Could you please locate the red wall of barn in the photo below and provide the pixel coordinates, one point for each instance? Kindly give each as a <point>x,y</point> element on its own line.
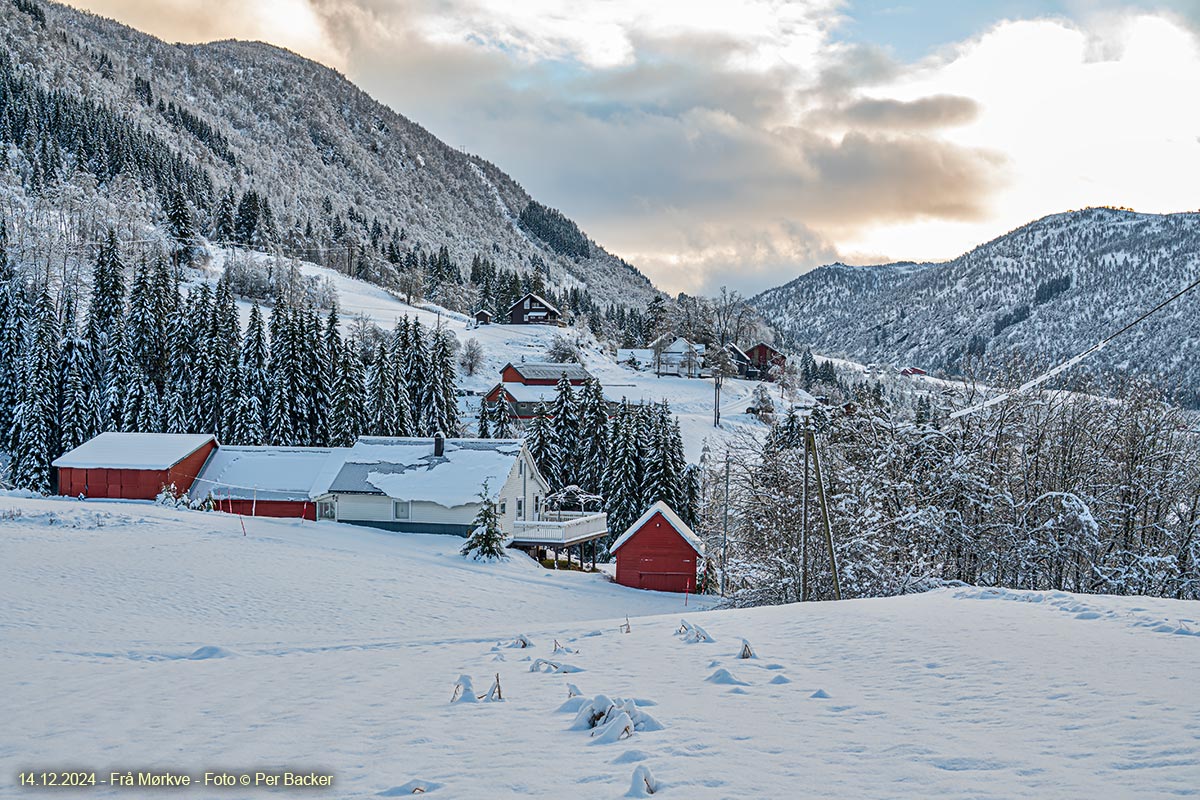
<point>132,484</point>
<point>657,557</point>
<point>183,474</point>
<point>290,509</point>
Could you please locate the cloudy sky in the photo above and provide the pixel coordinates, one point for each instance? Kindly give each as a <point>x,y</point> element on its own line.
<point>742,142</point>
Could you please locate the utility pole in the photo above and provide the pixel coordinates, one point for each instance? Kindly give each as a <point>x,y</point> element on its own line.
<point>804,523</point>
<point>810,438</point>
<point>725,531</point>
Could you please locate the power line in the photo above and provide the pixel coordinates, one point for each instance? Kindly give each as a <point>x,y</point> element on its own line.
<point>1065,365</point>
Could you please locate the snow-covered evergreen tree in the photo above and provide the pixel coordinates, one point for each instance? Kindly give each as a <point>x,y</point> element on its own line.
<point>543,446</point>
<point>622,483</point>
<point>35,425</point>
<point>567,429</point>
<point>349,401</point>
<point>106,310</point>
<point>382,418</point>
<point>487,540</point>
<point>592,453</point>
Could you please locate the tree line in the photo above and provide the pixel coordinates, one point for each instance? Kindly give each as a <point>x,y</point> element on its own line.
<point>628,457</point>
<point>152,359</point>
<point>1059,491</point>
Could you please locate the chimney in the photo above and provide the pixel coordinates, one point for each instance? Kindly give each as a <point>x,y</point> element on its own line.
<point>439,444</point>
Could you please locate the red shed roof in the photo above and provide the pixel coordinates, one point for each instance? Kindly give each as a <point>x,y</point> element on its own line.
<point>672,518</point>
<point>114,450</point>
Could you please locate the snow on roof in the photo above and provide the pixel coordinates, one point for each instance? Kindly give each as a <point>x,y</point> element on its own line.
<point>537,297</point>
<point>737,351</point>
<point>547,371</point>
<point>672,518</point>
<point>114,450</point>
<point>521,393</point>
<point>407,469</point>
<point>264,473</point>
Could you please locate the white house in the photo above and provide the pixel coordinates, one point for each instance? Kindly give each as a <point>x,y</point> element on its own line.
<point>433,485</point>
<point>665,356</point>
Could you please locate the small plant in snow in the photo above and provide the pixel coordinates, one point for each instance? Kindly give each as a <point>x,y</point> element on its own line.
<point>464,691</point>
<point>554,667</point>
<point>747,651</point>
<point>471,356</point>
<point>486,541</point>
<point>643,784</point>
<point>609,720</point>
<point>167,496</point>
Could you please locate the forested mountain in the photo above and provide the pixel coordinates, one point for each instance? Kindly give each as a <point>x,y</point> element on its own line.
<point>1044,291</point>
<point>243,142</point>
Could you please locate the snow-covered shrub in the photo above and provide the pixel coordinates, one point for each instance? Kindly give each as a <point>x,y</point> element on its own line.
<point>563,350</point>
<point>610,720</point>
<point>643,783</point>
<point>168,496</point>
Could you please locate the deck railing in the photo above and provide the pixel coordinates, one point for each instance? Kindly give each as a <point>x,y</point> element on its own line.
<point>566,531</point>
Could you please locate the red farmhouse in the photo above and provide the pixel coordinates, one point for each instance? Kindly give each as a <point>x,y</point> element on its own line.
<point>133,466</point>
<point>543,373</point>
<point>658,552</point>
<point>762,358</point>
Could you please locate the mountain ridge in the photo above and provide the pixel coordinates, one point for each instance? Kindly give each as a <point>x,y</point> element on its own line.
<point>1043,292</point>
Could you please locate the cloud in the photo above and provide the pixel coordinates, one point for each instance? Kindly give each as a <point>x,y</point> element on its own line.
<point>741,142</point>
<point>936,111</point>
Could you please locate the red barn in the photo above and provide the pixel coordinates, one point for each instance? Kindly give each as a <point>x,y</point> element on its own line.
<point>133,466</point>
<point>268,481</point>
<point>658,552</point>
<point>762,358</point>
<point>541,373</point>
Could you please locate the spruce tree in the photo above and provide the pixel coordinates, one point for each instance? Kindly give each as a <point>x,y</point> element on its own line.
<point>662,476</point>
<point>381,395</point>
<point>35,433</point>
<point>487,540</point>
<point>539,438</point>
<point>592,453</point>
<point>349,401</point>
<point>622,483</point>
<point>106,310</point>
<point>78,402</point>
<point>567,431</point>
<point>13,314</point>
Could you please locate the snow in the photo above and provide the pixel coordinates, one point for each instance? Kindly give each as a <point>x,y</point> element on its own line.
<point>408,469</point>
<point>133,450</point>
<point>691,399</point>
<point>678,524</point>
<point>265,473</point>
<point>340,649</point>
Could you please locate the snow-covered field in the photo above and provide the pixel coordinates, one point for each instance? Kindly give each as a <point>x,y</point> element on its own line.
<point>136,637</point>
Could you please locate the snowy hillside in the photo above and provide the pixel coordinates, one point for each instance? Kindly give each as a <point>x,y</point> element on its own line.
<point>136,637</point>
<point>690,398</point>
<point>345,176</point>
<point>1045,291</point>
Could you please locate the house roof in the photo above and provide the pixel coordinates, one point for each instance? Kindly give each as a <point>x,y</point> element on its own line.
<point>545,370</point>
<point>484,312</point>
<point>672,518</point>
<point>266,473</point>
<point>539,298</point>
<point>115,450</point>
<point>523,393</point>
<point>737,351</point>
<point>407,469</point>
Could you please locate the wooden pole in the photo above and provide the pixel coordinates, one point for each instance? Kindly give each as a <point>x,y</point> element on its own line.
<point>804,524</point>
<point>812,443</point>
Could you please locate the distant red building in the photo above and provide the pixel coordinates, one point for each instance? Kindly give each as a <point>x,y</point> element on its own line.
<point>133,466</point>
<point>763,358</point>
<point>659,552</point>
<point>523,386</point>
<point>268,481</point>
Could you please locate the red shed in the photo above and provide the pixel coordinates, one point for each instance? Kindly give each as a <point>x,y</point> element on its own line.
<point>133,466</point>
<point>269,481</point>
<point>658,552</point>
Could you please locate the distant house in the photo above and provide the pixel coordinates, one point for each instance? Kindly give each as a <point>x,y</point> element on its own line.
<point>268,481</point>
<point>432,485</point>
<point>739,359</point>
<point>658,552</point>
<point>668,356</point>
<point>523,399</point>
<point>483,317</point>
<point>763,359</point>
<point>133,466</point>
<point>533,309</point>
<point>544,373</point>
<point>908,371</point>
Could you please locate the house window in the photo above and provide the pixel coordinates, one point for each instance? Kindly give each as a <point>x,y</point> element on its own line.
<point>537,505</point>
<point>503,507</point>
<point>326,509</point>
<point>521,467</point>
<point>526,303</point>
<point>401,509</point>
<point>520,508</point>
